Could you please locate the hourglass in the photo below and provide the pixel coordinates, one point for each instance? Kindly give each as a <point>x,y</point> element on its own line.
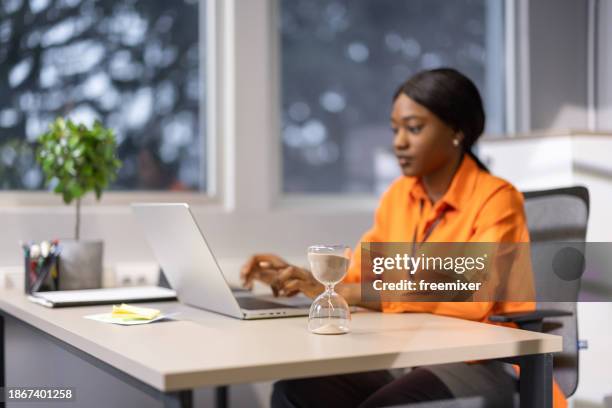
<point>329,313</point>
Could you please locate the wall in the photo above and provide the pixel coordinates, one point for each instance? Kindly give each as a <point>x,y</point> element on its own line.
<point>232,236</point>
<point>604,66</point>
<point>558,64</point>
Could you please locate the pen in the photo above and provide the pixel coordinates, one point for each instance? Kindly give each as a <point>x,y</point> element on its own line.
<point>43,273</point>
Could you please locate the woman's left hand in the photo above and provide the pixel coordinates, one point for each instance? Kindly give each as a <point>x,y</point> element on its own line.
<point>293,280</point>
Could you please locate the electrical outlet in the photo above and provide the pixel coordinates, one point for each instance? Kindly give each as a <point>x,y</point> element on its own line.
<point>136,274</point>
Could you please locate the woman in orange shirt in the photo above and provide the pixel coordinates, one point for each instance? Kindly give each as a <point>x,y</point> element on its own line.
<point>445,195</point>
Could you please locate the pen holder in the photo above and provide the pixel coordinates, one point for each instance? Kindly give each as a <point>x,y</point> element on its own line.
<point>41,273</point>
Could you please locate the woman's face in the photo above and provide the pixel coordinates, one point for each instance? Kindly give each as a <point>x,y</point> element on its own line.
<point>422,142</point>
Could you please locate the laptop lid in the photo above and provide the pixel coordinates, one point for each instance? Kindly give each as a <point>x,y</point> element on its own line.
<point>186,258</point>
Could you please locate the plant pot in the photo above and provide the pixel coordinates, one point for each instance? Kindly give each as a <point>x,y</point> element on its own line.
<point>80,265</point>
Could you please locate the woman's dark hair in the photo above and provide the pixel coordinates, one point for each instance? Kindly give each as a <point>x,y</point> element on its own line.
<point>453,98</point>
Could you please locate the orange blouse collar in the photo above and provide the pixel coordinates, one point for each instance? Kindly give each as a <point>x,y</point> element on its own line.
<point>460,189</point>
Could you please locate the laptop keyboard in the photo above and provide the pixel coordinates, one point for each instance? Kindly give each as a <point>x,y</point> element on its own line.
<point>251,303</point>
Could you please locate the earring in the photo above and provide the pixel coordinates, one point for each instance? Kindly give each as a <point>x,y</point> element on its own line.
<point>456,142</point>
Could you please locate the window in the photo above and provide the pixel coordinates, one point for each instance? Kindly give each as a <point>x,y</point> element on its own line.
<point>133,64</point>
<point>341,61</point>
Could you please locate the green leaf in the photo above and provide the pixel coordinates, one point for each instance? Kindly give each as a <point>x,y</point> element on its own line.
<point>73,140</point>
<point>60,124</point>
<point>82,159</point>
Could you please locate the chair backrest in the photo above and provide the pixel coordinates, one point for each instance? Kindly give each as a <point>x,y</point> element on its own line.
<point>558,215</point>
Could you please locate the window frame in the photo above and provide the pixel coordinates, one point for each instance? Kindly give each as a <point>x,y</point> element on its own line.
<point>208,40</point>
<point>504,104</point>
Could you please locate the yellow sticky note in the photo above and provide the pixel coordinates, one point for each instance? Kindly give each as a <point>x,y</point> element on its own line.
<point>133,312</point>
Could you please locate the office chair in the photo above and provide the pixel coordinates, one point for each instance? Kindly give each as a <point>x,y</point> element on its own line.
<point>557,215</point>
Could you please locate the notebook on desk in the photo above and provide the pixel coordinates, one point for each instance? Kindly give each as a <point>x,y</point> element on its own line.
<point>87,297</point>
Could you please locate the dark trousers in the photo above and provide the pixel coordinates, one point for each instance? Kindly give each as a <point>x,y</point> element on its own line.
<point>363,390</point>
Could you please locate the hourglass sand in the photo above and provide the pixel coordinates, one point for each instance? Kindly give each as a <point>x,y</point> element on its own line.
<point>329,313</point>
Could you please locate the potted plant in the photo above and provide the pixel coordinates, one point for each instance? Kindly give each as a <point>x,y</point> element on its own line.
<point>76,160</point>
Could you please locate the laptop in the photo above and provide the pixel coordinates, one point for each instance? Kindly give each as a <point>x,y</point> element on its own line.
<point>193,271</point>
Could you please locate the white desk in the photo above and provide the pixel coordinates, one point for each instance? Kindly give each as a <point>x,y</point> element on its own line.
<point>169,359</point>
